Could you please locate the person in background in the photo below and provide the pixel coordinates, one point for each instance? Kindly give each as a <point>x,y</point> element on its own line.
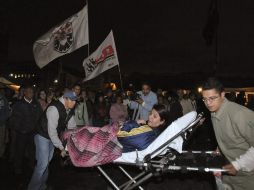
<point>184,101</point>
<point>193,99</point>
<point>163,101</point>
<point>18,95</point>
<point>50,97</point>
<point>234,130</point>
<point>109,98</point>
<point>25,115</point>
<point>118,112</point>
<point>4,115</point>
<point>240,98</point>
<point>231,96</point>
<point>175,108</point>
<point>90,104</point>
<point>66,89</point>
<point>91,95</point>
<point>100,117</point>
<point>159,92</point>
<point>55,120</point>
<point>76,89</point>
<point>42,99</point>
<point>80,111</point>
<point>144,103</point>
<point>250,103</point>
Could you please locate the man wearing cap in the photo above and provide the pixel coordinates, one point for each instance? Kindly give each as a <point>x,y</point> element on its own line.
<point>55,119</point>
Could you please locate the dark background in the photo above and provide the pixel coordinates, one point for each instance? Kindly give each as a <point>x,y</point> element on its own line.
<point>174,40</point>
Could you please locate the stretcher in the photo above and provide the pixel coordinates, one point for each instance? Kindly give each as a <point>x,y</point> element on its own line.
<point>165,155</point>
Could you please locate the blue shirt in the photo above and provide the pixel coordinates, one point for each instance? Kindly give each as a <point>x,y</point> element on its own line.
<point>149,101</point>
<point>135,137</point>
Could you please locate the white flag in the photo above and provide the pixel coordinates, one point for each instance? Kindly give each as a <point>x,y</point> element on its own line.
<point>62,39</point>
<point>104,58</point>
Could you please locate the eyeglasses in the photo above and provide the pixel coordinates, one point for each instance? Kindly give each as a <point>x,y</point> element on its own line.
<point>210,99</point>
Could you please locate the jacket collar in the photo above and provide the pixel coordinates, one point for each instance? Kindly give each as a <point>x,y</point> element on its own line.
<point>28,101</point>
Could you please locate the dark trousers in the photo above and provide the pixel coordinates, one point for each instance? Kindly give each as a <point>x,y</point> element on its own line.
<point>12,145</point>
<point>24,147</point>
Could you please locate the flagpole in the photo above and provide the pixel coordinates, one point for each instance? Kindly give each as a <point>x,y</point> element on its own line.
<point>121,82</point>
<point>119,70</point>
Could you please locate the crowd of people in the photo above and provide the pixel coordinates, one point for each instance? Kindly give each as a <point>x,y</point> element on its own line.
<point>31,122</point>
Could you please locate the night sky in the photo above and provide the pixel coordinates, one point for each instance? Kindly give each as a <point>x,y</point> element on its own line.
<point>166,37</point>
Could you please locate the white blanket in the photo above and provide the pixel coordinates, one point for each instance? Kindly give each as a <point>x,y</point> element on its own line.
<point>169,132</point>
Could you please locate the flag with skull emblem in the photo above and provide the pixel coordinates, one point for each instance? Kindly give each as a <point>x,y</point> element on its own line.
<point>62,39</point>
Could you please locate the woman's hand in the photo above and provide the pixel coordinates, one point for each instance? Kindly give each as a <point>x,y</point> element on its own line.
<point>120,123</point>
<point>63,153</point>
<point>141,121</point>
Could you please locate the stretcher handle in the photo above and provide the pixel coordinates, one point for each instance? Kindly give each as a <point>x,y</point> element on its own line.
<point>205,169</point>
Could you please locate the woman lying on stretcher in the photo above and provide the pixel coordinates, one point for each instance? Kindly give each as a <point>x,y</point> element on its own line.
<point>137,135</point>
<point>89,146</point>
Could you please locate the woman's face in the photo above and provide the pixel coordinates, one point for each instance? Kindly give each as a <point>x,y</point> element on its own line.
<point>42,95</point>
<point>119,100</point>
<point>154,119</point>
<point>49,98</point>
<point>83,93</point>
<point>160,100</point>
<point>101,99</point>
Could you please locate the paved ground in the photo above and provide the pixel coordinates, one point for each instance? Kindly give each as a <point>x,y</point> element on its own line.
<point>71,178</point>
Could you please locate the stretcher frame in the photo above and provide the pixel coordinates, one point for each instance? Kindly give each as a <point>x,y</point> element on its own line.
<point>162,164</point>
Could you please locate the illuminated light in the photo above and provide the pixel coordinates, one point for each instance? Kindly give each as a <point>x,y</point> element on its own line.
<point>33,75</point>
<point>22,76</point>
<point>15,76</point>
<point>14,87</point>
<point>11,75</point>
<point>55,81</point>
<point>164,93</point>
<point>34,85</point>
<point>18,76</point>
<point>200,89</point>
<point>113,86</point>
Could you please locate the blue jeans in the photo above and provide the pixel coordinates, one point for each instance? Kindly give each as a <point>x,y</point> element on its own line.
<point>44,154</point>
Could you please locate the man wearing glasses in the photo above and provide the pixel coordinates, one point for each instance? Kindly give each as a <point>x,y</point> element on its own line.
<point>234,129</point>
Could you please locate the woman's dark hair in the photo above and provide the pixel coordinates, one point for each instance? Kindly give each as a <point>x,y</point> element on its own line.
<point>97,97</point>
<point>173,95</point>
<point>39,93</point>
<point>164,115</point>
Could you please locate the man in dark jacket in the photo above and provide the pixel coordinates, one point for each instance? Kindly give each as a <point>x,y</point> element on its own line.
<point>25,115</point>
<point>4,114</point>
